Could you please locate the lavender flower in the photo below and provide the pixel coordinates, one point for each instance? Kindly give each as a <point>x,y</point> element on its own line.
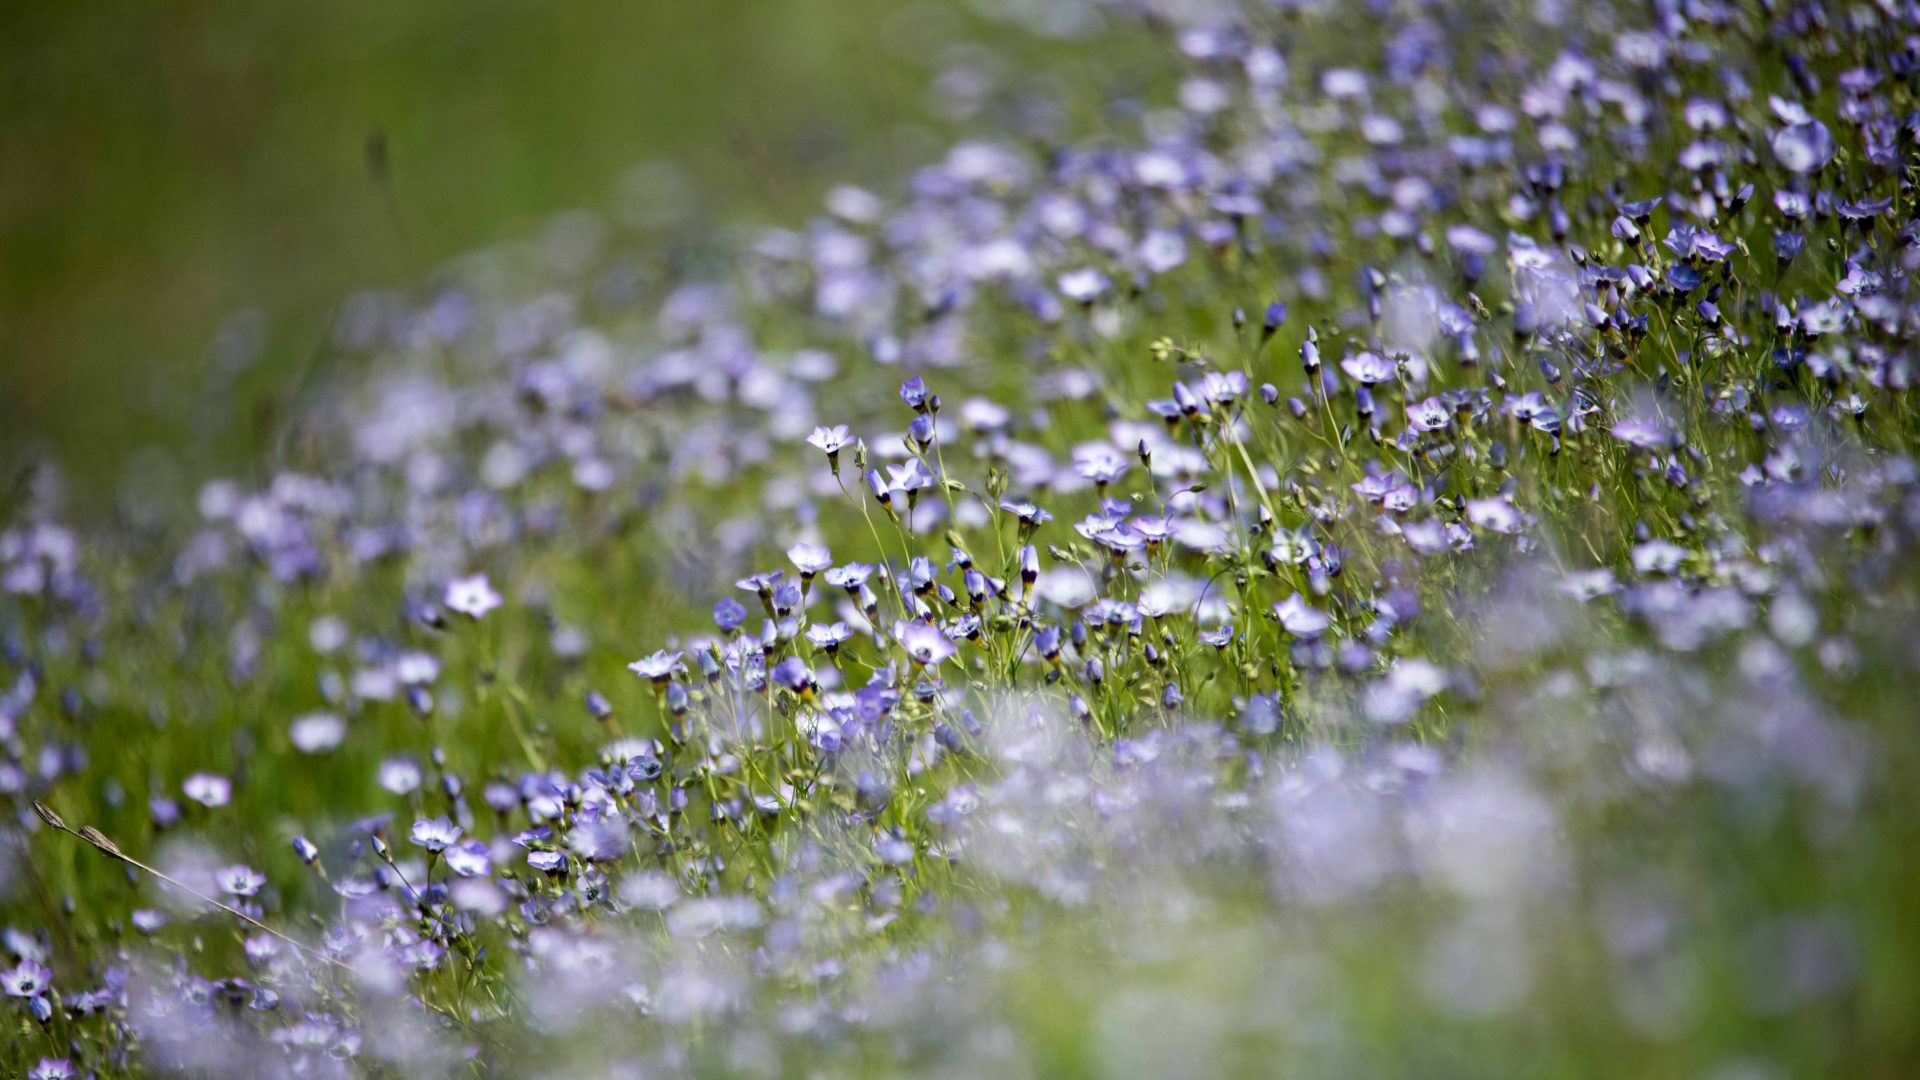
<point>1084,285</point>
<point>793,674</point>
<point>849,577</point>
<point>1494,515</point>
<point>27,979</point>
<point>240,880</point>
<point>468,858</point>
<point>1368,368</point>
<point>1803,147</point>
<point>925,644</point>
<point>728,614</point>
<point>435,834</point>
<point>1429,415</point>
<point>1299,619</point>
<point>317,733</point>
<point>830,441</point>
<point>208,789</point>
<point>659,666</point>
<point>471,596</point>
<point>829,636</point>
<point>809,559</point>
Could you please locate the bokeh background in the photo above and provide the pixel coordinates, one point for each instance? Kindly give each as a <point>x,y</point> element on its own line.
<point>189,188</point>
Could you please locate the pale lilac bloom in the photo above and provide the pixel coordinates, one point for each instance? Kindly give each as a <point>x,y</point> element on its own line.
<point>1641,432</point>
<point>1084,285</point>
<point>829,636</point>
<point>1368,368</point>
<point>1300,619</point>
<point>1494,515</point>
<point>850,577</point>
<point>1429,415</point>
<point>317,733</point>
<point>810,559</point>
<point>909,478</point>
<point>471,596</point>
<point>469,858</point>
<point>1804,147</point>
<point>831,440</point>
<point>28,979</point>
<point>1658,557</point>
<point>658,666</point>
<point>238,880</point>
<point>926,644</point>
<point>1584,585</point>
<point>208,789</point>
<point>400,775</point>
<point>435,834</point>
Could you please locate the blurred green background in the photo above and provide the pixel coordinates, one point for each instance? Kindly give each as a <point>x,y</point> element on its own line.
<point>166,165</point>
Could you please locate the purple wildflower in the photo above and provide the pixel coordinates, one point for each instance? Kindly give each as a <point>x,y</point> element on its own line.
<point>659,666</point>
<point>208,789</point>
<point>1300,619</point>
<point>924,643</point>
<point>471,596</point>
<point>28,979</point>
<point>238,880</point>
<point>435,834</point>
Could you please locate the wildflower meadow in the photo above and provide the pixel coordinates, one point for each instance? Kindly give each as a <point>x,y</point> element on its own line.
<point>1368,539</point>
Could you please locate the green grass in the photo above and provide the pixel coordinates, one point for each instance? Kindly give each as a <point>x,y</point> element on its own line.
<point>167,167</point>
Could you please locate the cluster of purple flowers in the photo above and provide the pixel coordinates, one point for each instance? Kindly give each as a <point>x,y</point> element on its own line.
<point>1538,552</point>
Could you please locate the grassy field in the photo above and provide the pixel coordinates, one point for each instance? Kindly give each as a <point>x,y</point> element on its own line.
<point>1255,539</point>
<point>184,174</point>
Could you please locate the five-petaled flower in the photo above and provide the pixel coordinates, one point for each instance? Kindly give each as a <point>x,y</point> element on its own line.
<point>471,596</point>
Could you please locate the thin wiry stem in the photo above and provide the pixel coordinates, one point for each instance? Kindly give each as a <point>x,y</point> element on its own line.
<point>101,842</point>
